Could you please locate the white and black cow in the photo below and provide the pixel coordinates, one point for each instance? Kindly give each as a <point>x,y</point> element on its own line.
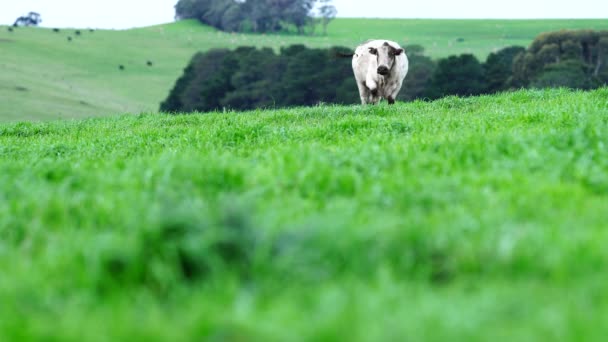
<point>380,67</point>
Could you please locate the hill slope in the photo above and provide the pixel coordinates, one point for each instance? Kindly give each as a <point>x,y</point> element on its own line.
<point>460,219</point>
<point>44,76</point>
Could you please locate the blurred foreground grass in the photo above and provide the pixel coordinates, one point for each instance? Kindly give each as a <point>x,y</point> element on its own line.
<point>465,218</point>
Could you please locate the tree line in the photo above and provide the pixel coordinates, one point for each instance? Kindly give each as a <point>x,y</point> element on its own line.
<point>258,15</point>
<point>249,77</point>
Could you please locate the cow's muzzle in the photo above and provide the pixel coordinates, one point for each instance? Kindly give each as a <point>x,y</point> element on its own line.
<point>382,70</point>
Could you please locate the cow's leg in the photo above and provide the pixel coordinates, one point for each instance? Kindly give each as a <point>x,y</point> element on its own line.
<point>393,95</point>
<point>373,88</point>
<point>374,96</point>
<point>374,93</point>
<point>364,93</point>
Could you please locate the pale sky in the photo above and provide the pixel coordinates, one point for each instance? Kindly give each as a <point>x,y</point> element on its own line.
<point>120,14</point>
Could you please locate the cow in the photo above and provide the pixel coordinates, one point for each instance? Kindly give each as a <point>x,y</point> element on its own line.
<point>379,67</point>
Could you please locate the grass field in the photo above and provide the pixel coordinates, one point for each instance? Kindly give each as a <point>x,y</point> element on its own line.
<point>43,76</point>
<point>460,219</point>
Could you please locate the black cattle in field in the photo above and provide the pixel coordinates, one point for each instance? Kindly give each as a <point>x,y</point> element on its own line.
<point>31,19</point>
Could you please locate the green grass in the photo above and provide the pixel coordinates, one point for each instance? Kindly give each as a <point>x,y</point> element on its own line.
<point>43,76</point>
<point>461,219</point>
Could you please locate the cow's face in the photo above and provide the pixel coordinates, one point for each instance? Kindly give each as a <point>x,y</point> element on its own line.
<point>385,55</point>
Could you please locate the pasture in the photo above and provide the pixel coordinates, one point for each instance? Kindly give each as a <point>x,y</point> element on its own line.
<point>47,75</point>
<point>460,219</point>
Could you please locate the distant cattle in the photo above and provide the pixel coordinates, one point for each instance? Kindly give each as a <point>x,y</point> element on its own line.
<point>31,19</point>
<point>379,67</point>
<point>149,63</point>
<point>69,39</point>
<point>121,67</point>
<point>77,32</point>
<point>55,30</point>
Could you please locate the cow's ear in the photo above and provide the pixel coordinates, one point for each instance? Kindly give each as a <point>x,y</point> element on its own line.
<point>373,51</point>
<point>398,52</point>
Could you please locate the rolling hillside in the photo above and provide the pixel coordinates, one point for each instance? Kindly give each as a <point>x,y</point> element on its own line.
<point>474,219</point>
<point>43,76</point>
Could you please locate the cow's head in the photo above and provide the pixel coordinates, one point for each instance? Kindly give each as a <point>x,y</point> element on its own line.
<point>386,57</point>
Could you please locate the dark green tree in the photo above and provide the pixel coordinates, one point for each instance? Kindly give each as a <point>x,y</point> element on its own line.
<point>569,73</point>
<point>225,15</point>
<point>250,15</point>
<point>418,79</point>
<point>296,12</point>
<point>251,78</point>
<point>205,80</point>
<point>302,79</point>
<point>256,82</point>
<point>192,9</point>
<point>457,75</point>
<point>260,18</point>
<point>498,68</point>
<point>340,83</point>
<point>576,59</point>
<point>174,102</point>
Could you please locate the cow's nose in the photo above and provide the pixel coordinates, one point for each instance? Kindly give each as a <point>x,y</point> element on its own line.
<point>382,70</point>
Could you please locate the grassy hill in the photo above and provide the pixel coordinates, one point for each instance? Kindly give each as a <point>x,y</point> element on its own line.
<point>44,76</point>
<point>461,219</point>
